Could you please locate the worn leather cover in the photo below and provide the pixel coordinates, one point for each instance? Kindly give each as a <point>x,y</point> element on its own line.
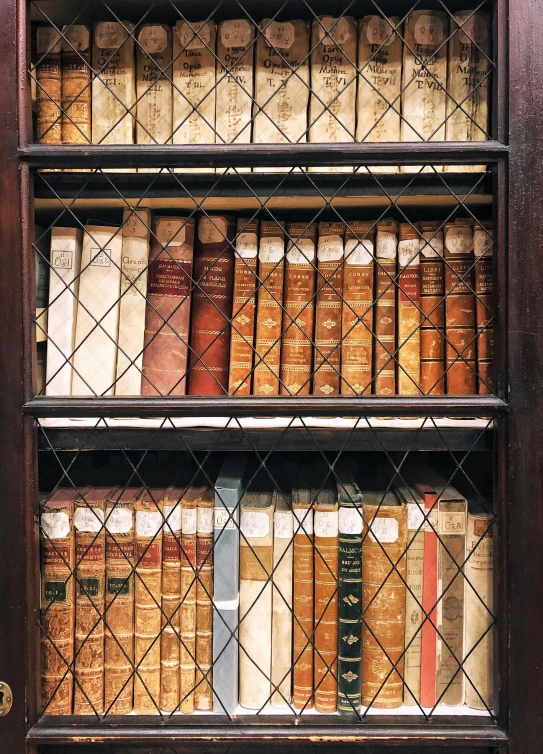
<point>167,315</point>
<point>385,307</point>
<point>154,74</point>
<point>283,560</point>
<point>204,601</point>
<point>409,314</point>
<point>432,304</point>
<point>484,305</point>
<point>171,600</point>
<point>49,86</point>
<point>76,85</point>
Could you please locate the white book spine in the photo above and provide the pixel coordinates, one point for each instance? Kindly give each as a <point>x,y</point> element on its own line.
<point>154,86</point>
<point>235,52</point>
<point>283,553</point>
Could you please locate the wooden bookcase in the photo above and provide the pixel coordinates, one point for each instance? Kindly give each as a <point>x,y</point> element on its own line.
<point>516,191</point>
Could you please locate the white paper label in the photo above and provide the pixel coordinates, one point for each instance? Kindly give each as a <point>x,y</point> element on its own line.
<point>304,518</point>
<point>153,39</point>
<point>452,523</point>
<point>189,520</point>
<point>459,239</point>
<point>283,524</point>
<point>272,249</point>
<point>171,232</point>
<point>148,523</point>
<point>428,30</point>
<point>88,519</point>
<point>482,242</point>
<point>100,257</point>
<point>408,252</point>
<point>431,244</point>
<point>415,516</point>
<point>237,33</point>
<point>223,519</point>
<point>205,520</point>
<point>135,225</point>
<point>109,35</point>
<point>301,251</point>
<point>338,29</point>
<point>55,525</point>
<point>255,524</point>
<point>48,40</point>
<point>384,530</point>
<point>212,229</point>
<point>119,520</point>
<point>474,30</point>
<point>379,31</point>
<point>62,260</point>
<point>280,35</point>
<point>350,520</point>
<point>430,525</point>
<point>326,523</point>
<point>330,248</point>
<point>247,246</point>
<point>193,36</point>
<point>386,244</point>
<point>77,38</point>
<point>358,252</point>
<point>172,515</point>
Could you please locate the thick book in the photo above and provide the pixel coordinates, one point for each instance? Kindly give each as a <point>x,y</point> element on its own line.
<point>119,617</point>
<point>65,261</point>
<point>234,92</point>
<point>76,84</point>
<point>240,377</point>
<point>212,305</point>
<point>298,309</point>
<point>357,310</point>
<point>384,565</point>
<point>460,308</point>
<point>203,695</point>
<point>154,74</point>
<point>409,313</point>
<point>483,249</point>
<point>255,594</point>
<point>48,73</point>
<point>167,316</point>
<point>432,304</point>
<point>170,640</point>
<point>134,271</point>
<point>95,348</point>
<point>386,246</point>
<point>57,602</point>
<point>282,606</point>
<point>269,308</point>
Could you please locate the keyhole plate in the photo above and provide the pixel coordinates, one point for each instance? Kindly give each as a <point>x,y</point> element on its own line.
<point>6,699</point>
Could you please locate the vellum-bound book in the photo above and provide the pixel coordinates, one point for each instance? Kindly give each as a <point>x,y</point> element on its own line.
<point>409,314</point>
<point>49,86</point>
<point>154,74</point>
<point>283,555</point>
<point>76,85</point>
<point>98,311</point>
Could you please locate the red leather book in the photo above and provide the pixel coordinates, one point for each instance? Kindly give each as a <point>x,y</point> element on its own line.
<point>385,307</point>
<point>432,304</point>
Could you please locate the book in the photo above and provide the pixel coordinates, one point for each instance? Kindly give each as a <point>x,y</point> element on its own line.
<point>240,375</point>
<point>234,92</point>
<point>119,613</point>
<point>255,594</point>
<point>48,75</point>
<point>167,316</point>
<point>357,310</point>
<point>329,302</point>
<point>90,540</point>
<point>460,308</point>
<point>483,249</point>
<point>57,541</point>
<point>409,312</point>
<point>298,309</point>
<point>432,305</point>
<point>95,348</point>
<point>154,75</point>
<point>203,695</point>
<point>212,305</point>
<point>383,599</point>
<point>147,614</point>
<point>76,84</point>
<point>134,269</point>
<point>42,250</point>
<point>65,265</point>
<point>282,606</point>
<point>386,243</point>
<point>113,83</point>
<point>269,308</point>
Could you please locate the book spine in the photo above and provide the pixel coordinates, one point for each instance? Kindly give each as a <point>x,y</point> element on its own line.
<point>432,304</point>
<point>283,554</point>
<point>41,267</point>
<point>326,609</point>
<point>302,675</point>
<point>234,91</point>
<point>76,85</point>
<point>428,662</point>
<point>154,124</point>
<point>171,611</point>
<point>413,613</point>
<point>188,605</point>
<point>385,309</point>
<point>204,605</point>
<point>409,315</point>
<point>49,86</point>
<point>484,307</point>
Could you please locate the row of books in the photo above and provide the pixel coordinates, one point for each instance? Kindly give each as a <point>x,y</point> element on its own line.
<point>332,80</point>
<point>268,308</point>
<point>306,594</point>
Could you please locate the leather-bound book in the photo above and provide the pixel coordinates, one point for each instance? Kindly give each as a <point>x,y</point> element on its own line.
<point>169,293</point>
<point>386,244</point>
<point>409,314</point>
<point>269,311</point>
<point>303,619</point>
<point>357,311</point>
<point>255,594</point>
<point>203,695</point>
<point>76,84</point>
<point>432,304</point>
<point>171,599</point>
<point>298,309</point>
<point>90,541</point>
<point>283,561</point>
<point>240,377</point>
<point>212,305</point>
<point>460,308</point>
<point>235,52</point>
<point>330,249</point>
<point>119,633</point>
<point>383,603</point>
<point>154,74</point>
<point>148,616</point>
<point>57,602</point>
<point>49,85</point>
<point>483,247</point>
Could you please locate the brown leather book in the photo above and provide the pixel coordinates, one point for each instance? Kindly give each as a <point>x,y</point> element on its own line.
<point>171,598</point>
<point>119,633</point>
<point>385,307</point>
<point>483,247</point>
<point>212,305</point>
<point>432,304</point>
<point>409,315</point>
<point>49,86</point>
<point>326,377</point>
<point>243,311</point>
<point>298,309</point>
<point>357,310</point>
<point>269,311</point>
<point>76,85</point>
<point>326,597</point>
<point>57,602</point>
<point>383,599</point>
<point>460,308</point>
<point>90,541</point>
<point>203,695</point>
<point>169,291</point>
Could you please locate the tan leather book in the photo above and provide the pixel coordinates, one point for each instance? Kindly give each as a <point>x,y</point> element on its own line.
<point>357,310</point>
<point>483,248</point>
<point>409,314</point>
<point>235,53</point>
<point>57,602</point>
<point>170,640</point>
<point>326,522</point>
<point>49,85</point>
<point>298,309</point>
<point>386,245</point>
<point>282,606</point>
<point>76,84</point>
<point>154,74</point>
<point>240,376</point>
<point>189,521</point>
<point>460,308</point>
<point>269,311</point>
<point>90,541</point>
<point>383,599</point>
<point>119,632</point>
<point>432,304</point>
<point>148,617</point>
<point>203,695</point>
